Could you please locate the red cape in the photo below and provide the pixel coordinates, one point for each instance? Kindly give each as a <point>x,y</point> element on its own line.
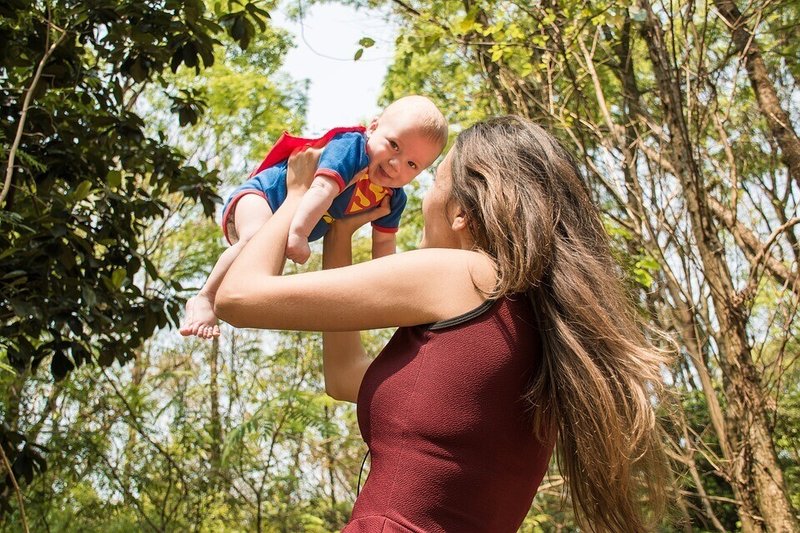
<point>287,144</point>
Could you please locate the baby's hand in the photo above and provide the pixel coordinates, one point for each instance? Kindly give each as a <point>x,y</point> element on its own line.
<point>297,248</point>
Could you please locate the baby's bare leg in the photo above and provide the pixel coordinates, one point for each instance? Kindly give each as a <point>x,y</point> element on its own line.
<point>251,212</point>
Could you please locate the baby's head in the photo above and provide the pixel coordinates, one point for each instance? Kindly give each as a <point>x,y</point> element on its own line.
<point>404,140</point>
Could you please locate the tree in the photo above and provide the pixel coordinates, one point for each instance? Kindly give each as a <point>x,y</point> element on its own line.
<point>83,180</point>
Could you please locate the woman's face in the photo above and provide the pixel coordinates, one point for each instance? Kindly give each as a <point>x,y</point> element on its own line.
<point>438,212</point>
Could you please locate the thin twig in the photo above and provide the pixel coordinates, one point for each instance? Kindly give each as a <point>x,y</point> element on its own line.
<point>765,248</point>
<point>16,488</point>
<point>24,114</point>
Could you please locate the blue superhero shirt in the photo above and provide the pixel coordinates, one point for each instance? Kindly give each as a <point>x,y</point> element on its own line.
<point>343,159</point>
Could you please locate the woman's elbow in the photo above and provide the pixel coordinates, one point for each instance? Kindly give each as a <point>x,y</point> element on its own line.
<point>331,391</point>
<point>338,394</point>
<point>227,307</point>
<point>337,390</point>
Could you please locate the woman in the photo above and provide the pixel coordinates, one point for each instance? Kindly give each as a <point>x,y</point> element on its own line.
<point>515,334</point>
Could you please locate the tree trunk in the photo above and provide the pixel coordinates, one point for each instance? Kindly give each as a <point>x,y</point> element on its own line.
<point>684,320</point>
<point>685,324</point>
<point>258,513</point>
<point>331,462</point>
<point>216,426</point>
<point>688,459</point>
<point>756,477</point>
<point>778,120</point>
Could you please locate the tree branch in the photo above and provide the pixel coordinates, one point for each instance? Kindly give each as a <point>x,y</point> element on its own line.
<point>16,489</point>
<point>24,114</point>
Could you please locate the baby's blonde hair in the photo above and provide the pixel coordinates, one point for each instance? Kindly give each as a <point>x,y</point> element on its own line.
<point>429,120</point>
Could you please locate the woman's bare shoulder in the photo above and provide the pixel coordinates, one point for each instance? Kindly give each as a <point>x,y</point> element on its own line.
<point>459,274</point>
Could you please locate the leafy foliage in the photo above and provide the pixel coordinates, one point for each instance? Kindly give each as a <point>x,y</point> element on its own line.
<point>144,109</point>
<point>87,179</point>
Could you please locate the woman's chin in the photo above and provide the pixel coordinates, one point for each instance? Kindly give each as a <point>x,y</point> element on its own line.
<point>422,242</point>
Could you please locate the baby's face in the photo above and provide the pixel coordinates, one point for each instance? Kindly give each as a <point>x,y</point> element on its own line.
<point>397,151</point>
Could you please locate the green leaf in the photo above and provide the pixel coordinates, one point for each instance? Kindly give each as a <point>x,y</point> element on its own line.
<point>117,277</point>
<point>13,274</point>
<point>88,296</point>
<point>114,178</point>
<point>497,53</point>
<point>467,24</point>
<point>82,190</point>
<point>60,365</point>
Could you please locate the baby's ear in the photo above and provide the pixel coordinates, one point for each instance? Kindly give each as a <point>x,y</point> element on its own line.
<point>372,125</point>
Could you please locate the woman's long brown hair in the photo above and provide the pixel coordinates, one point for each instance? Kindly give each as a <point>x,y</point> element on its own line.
<point>595,382</point>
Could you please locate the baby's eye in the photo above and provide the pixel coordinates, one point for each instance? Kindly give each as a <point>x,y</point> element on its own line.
<point>412,165</point>
<point>393,145</point>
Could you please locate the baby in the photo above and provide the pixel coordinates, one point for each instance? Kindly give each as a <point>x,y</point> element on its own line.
<point>358,168</point>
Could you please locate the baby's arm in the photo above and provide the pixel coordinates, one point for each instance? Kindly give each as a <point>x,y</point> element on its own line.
<point>383,243</point>
<point>315,203</point>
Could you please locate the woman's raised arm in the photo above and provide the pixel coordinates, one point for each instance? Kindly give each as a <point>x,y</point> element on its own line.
<point>344,359</point>
<point>404,289</point>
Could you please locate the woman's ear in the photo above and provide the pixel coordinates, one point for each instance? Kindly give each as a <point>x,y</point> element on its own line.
<point>459,222</point>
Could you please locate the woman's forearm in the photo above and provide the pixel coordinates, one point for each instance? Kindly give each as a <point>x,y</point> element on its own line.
<point>337,248</point>
<point>263,257</point>
<point>383,244</point>
<point>344,360</point>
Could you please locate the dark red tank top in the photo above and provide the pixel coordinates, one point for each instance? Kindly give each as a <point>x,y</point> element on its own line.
<point>451,443</point>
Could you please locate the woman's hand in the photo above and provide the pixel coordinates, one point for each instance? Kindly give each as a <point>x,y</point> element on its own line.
<point>337,248</point>
<point>345,227</point>
<point>301,169</point>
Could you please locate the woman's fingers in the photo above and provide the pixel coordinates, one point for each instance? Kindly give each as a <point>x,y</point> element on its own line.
<point>353,222</point>
<point>302,166</point>
<point>381,211</point>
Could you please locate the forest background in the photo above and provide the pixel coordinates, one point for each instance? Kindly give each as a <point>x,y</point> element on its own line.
<point>122,122</point>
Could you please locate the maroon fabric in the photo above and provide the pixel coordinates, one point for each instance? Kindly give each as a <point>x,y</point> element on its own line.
<point>441,410</point>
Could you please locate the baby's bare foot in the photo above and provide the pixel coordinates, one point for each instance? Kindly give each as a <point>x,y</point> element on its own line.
<point>200,319</point>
